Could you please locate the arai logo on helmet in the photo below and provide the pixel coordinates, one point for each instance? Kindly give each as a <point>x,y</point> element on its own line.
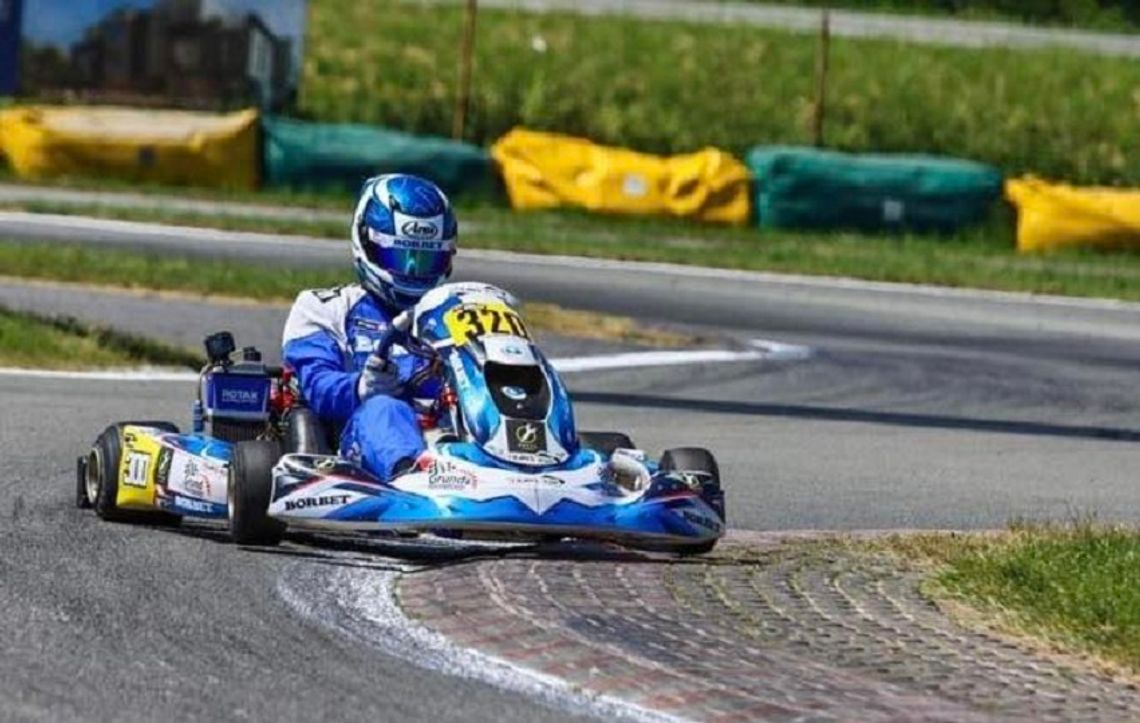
<point>419,229</point>
<point>515,393</point>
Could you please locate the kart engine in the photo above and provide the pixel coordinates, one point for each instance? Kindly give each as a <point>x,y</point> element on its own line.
<point>234,397</point>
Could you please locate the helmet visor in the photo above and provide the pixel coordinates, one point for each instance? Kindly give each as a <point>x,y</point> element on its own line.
<point>409,261</point>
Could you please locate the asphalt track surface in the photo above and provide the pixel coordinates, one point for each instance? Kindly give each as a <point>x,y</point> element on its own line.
<point>920,408</point>
<point>844,23</point>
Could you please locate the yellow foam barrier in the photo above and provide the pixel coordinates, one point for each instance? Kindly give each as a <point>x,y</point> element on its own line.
<point>130,144</point>
<point>1055,216</point>
<point>546,170</point>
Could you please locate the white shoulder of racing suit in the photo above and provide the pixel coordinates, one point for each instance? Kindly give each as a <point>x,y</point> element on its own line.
<point>323,310</point>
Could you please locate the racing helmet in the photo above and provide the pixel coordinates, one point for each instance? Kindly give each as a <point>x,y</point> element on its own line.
<point>403,238</point>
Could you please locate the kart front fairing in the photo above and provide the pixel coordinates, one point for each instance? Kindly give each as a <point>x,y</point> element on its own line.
<point>517,468</point>
<point>457,489</point>
<point>511,402</point>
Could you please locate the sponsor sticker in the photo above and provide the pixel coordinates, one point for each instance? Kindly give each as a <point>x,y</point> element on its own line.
<point>310,502</point>
<point>192,505</point>
<point>543,480</point>
<point>194,479</point>
<point>419,229</point>
<point>537,459</point>
<point>370,325</point>
<point>240,396</point>
<point>699,520</point>
<point>526,437</point>
<point>162,469</point>
<point>447,476</point>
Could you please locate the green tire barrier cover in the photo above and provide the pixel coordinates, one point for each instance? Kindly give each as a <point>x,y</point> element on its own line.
<point>305,155</point>
<point>815,189</point>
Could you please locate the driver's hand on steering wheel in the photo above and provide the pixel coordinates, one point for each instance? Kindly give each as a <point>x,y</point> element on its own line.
<point>380,374</point>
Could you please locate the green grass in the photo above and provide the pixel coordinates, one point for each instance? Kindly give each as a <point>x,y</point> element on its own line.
<point>1071,587</point>
<point>38,343</point>
<point>982,258</point>
<point>124,269</point>
<point>650,85</point>
<point>1077,586</point>
<point>76,264</point>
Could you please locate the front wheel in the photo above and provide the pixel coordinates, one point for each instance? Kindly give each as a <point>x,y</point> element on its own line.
<point>99,485</point>
<point>605,442</point>
<point>701,464</point>
<point>248,493</point>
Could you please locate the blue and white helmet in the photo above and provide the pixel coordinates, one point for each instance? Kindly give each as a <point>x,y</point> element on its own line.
<point>403,238</point>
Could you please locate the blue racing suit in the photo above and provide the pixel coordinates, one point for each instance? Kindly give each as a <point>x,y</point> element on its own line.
<point>328,338</point>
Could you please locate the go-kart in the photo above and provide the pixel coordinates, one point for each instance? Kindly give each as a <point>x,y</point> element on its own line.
<point>503,460</point>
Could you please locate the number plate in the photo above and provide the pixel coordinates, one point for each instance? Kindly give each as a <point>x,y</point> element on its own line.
<point>470,322</point>
<point>138,470</point>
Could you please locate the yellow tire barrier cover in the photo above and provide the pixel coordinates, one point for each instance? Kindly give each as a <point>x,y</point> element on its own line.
<point>131,144</point>
<point>546,170</point>
<point>1055,216</point>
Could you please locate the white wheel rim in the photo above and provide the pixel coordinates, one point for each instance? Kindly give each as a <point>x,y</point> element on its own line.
<point>230,496</point>
<point>93,476</point>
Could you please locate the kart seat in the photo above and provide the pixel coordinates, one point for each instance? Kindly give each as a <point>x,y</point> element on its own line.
<point>305,433</point>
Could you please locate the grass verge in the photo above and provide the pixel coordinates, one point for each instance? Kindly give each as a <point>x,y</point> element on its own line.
<point>35,342</point>
<point>980,258</point>
<point>1075,588</point>
<point>646,85</point>
<point>123,269</point>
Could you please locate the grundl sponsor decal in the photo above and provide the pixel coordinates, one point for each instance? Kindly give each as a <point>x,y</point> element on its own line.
<point>446,476</point>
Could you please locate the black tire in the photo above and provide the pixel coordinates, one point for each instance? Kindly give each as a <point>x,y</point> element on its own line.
<point>702,461</point>
<point>605,442</point>
<point>101,483</point>
<point>81,500</point>
<point>691,459</point>
<point>248,494</point>
<point>304,433</point>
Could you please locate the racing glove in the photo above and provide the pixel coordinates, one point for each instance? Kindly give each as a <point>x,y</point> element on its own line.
<point>380,374</point>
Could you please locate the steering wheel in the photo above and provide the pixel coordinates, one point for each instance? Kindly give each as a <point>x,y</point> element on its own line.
<point>418,348</point>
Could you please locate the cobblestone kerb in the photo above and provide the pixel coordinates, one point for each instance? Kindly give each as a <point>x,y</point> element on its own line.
<point>763,630</point>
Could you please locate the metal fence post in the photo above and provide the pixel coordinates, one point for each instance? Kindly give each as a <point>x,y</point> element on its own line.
<point>466,60</point>
<point>822,66</point>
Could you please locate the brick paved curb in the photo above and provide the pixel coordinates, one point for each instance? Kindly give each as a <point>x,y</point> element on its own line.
<point>763,630</point>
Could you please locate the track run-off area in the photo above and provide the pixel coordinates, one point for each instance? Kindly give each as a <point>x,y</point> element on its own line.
<point>916,408</point>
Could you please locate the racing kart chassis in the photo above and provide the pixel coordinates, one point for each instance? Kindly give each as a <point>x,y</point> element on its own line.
<point>258,459</point>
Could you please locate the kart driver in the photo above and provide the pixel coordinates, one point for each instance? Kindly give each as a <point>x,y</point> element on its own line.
<point>340,342</point>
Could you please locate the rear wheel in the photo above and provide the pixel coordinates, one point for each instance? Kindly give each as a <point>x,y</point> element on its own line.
<point>304,433</point>
<point>100,481</point>
<point>605,442</point>
<point>702,464</point>
<point>248,493</point>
